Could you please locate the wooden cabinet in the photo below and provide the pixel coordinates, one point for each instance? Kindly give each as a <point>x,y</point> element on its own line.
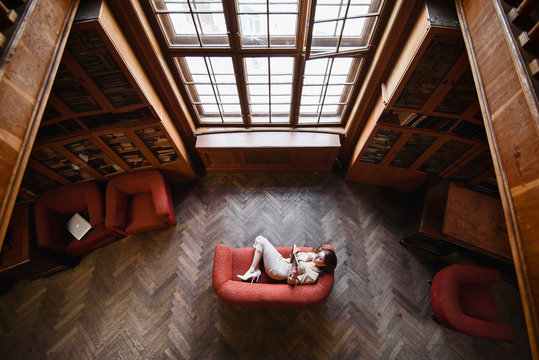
<point>427,120</point>
<point>444,214</point>
<point>268,151</point>
<point>103,116</point>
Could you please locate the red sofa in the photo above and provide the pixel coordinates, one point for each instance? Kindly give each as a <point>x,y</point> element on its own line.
<point>463,299</point>
<point>54,208</point>
<point>139,202</point>
<point>228,263</point>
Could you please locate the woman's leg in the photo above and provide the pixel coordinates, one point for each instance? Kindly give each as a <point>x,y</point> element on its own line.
<point>275,265</point>
<point>256,261</point>
<point>263,248</point>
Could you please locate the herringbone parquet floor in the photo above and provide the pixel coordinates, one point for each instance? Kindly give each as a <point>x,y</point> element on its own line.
<point>150,296</point>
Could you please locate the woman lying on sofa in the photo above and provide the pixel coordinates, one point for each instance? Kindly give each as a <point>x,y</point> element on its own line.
<point>306,271</point>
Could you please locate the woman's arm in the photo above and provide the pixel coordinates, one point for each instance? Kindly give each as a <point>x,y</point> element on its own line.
<point>303,279</point>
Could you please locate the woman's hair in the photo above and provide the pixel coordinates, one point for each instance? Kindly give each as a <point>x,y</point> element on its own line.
<point>330,259</point>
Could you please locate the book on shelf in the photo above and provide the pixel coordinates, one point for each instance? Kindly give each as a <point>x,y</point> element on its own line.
<point>406,117</point>
<point>294,259</point>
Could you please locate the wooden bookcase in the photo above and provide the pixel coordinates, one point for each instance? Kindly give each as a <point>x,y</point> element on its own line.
<point>427,120</point>
<point>103,116</point>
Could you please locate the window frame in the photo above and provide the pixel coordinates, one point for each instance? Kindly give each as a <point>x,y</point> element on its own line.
<point>301,54</point>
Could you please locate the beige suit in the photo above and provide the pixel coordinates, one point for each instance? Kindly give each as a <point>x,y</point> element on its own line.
<point>279,268</point>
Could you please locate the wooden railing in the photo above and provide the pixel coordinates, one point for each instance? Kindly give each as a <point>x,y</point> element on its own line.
<point>511,114</point>
<point>29,58</point>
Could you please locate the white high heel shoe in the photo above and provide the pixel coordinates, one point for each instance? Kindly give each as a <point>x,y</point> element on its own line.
<point>251,275</point>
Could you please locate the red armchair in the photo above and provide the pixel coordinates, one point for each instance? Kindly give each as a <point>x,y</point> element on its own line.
<point>54,208</point>
<point>139,202</point>
<point>462,298</point>
<point>228,263</point>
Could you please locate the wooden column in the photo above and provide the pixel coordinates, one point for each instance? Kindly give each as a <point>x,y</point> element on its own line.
<point>27,72</point>
<point>511,115</point>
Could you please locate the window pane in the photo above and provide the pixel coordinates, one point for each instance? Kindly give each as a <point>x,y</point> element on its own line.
<point>280,109</point>
<point>282,29</point>
<point>332,93</point>
<point>310,100</point>
<point>260,120</point>
<point>269,91</point>
<point>254,30</point>
<point>232,120</point>
<point>334,90</point>
<point>259,99</point>
<point>282,66</point>
<point>358,8</point>
<point>227,89</point>
<point>308,109</point>
<point>329,119</point>
<point>343,25</point>
<point>327,9</point>
<point>252,6</point>
<point>231,109</point>
<point>193,24</point>
<point>281,89</point>
<point>217,95</point>
<point>341,66</point>
<point>258,90</point>
<point>280,6</point>
<point>203,89</point>
<point>326,36</point>
<point>257,18</point>
<point>280,119</point>
<point>280,99</point>
<point>259,109</point>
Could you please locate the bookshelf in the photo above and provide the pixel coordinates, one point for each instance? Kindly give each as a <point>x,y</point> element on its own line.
<point>103,117</point>
<point>427,121</point>
<point>124,147</point>
<point>155,139</point>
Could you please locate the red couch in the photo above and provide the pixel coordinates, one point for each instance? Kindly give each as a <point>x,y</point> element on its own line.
<point>228,263</point>
<point>139,202</point>
<point>463,299</point>
<point>54,208</point>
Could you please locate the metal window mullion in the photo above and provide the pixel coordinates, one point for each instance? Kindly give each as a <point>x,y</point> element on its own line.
<point>212,79</point>
<point>348,17</point>
<point>269,88</point>
<point>194,23</point>
<point>342,29</point>
<point>325,90</point>
<point>165,12</point>
<point>268,23</point>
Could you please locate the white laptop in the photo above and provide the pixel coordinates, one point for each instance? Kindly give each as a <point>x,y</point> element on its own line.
<point>78,226</point>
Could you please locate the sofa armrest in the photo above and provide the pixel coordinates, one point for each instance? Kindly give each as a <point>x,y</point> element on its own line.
<point>50,228</point>
<point>481,328</point>
<point>162,200</point>
<point>116,210</point>
<point>222,266</point>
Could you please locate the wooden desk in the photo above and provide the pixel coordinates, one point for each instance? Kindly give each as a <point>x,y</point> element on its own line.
<point>20,257</point>
<point>446,213</point>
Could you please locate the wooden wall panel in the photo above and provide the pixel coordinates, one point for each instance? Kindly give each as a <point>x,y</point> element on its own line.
<point>27,71</point>
<point>511,114</point>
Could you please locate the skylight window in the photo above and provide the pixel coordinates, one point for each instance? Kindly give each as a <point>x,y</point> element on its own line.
<point>268,62</point>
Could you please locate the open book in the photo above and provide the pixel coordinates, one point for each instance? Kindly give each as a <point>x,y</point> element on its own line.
<point>294,260</point>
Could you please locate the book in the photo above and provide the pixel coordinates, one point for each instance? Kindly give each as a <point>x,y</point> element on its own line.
<point>294,260</point>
